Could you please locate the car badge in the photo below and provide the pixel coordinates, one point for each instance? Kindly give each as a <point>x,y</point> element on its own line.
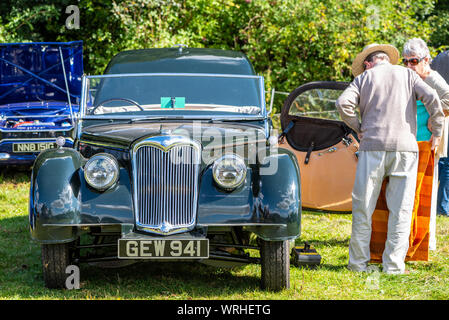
<point>166,227</point>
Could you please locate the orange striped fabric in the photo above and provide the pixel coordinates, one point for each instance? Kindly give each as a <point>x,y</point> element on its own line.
<point>419,232</point>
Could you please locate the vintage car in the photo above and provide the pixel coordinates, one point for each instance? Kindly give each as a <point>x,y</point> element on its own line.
<point>40,88</point>
<point>174,160</point>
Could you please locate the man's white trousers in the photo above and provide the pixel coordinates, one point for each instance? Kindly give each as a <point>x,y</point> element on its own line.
<point>372,168</point>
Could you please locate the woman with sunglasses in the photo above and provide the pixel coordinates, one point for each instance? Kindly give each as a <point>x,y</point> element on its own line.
<point>416,56</point>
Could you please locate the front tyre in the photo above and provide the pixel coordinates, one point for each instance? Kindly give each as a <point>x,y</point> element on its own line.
<point>55,259</point>
<point>275,263</point>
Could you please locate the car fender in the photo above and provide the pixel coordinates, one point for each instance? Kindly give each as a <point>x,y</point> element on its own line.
<point>279,197</point>
<point>55,195</point>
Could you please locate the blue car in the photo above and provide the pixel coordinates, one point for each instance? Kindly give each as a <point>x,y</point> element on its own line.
<point>40,88</point>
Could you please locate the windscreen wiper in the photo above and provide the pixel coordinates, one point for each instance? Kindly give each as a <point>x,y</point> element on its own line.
<point>236,119</point>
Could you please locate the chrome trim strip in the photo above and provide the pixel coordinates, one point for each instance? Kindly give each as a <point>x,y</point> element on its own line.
<point>222,75</point>
<point>174,117</point>
<point>80,224</point>
<point>242,225</point>
<point>82,108</point>
<point>116,146</point>
<point>198,225</point>
<point>39,139</point>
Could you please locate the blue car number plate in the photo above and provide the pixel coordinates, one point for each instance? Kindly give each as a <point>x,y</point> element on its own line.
<point>163,248</point>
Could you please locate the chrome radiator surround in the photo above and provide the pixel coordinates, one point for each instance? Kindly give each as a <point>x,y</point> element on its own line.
<point>165,184</point>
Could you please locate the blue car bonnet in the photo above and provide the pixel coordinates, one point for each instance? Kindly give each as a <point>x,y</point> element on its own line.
<point>31,72</point>
<point>34,82</point>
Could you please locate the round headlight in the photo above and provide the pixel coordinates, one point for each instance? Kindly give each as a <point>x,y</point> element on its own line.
<point>101,171</point>
<point>229,171</point>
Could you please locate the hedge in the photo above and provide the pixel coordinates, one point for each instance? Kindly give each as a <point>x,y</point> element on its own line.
<point>290,42</point>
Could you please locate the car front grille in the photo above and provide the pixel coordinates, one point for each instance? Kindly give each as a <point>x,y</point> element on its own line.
<point>166,184</point>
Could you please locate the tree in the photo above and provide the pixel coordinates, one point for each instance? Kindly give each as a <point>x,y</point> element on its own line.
<point>439,22</point>
<point>290,42</point>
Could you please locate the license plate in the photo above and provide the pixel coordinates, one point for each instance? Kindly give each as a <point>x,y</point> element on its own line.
<point>163,248</point>
<point>33,146</point>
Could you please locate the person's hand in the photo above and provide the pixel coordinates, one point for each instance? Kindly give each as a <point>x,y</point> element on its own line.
<point>435,142</point>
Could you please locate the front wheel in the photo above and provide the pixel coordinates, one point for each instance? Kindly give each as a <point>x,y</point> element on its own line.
<point>55,259</point>
<point>275,263</point>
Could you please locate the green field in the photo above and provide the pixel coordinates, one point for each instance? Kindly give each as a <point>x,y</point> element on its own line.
<point>21,276</point>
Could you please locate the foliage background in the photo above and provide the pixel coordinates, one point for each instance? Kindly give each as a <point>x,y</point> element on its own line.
<point>290,42</point>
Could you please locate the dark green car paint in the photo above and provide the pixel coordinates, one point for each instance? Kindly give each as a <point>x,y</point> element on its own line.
<point>262,199</point>
<point>61,202</point>
<point>55,196</point>
<point>172,60</point>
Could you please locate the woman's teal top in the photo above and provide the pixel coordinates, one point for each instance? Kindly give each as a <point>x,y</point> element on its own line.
<point>423,133</point>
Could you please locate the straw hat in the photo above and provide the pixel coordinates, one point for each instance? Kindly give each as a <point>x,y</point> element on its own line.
<point>357,64</point>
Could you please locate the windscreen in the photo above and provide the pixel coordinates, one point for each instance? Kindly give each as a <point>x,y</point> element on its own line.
<point>155,92</point>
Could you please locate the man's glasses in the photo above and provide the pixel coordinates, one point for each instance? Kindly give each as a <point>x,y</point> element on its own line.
<point>412,61</point>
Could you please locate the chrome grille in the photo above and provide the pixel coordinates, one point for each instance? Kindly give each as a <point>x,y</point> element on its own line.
<point>166,183</point>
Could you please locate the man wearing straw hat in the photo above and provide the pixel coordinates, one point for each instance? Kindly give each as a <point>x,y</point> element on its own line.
<point>386,95</point>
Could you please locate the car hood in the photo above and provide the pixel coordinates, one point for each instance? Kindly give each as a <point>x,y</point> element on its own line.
<point>211,135</point>
<point>33,71</point>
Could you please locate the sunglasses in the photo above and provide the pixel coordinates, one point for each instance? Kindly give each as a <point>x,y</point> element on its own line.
<point>412,61</point>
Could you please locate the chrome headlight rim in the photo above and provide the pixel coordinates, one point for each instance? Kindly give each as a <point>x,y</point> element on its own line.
<point>115,164</point>
<point>233,157</point>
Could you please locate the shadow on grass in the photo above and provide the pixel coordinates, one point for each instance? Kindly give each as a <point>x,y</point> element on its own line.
<point>324,243</point>
<point>15,174</point>
<point>21,270</point>
<point>316,212</point>
<point>171,279</point>
<point>21,274</point>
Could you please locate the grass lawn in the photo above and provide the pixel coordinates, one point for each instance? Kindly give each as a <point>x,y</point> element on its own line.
<point>21,276</point>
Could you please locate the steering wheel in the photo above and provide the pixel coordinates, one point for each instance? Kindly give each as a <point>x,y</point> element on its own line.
<point>116,99</point>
